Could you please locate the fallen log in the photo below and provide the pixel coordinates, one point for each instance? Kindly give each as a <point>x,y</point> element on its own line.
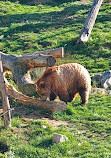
<point>25,100</point>
<point>21,64</point>
<point>56,53</point>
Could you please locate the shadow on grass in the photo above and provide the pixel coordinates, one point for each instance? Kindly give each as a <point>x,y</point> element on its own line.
<point>38,22</point>
<point>30,112</point>
<point>34,2</point>
<point>3,147</point>
<point>45,143</point>
<point>54,18</point>
<point>103,18</point>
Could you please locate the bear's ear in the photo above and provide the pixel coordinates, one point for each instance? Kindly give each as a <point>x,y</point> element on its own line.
<point>50,70</point>
<point>42,85</point>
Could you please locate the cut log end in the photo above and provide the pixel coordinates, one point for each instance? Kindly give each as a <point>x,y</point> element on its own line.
<point>51,61</point>
<point>57,53</point>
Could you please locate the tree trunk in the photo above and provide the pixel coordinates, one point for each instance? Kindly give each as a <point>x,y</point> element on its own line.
<point>89,22</point>
<point>20,66</point>
<point>25,100</point>
<point>5,101</point>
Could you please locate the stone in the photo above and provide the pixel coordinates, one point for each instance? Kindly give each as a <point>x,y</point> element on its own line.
<point>43,127</point>
<point>96,77</point>
<point>80,143</point>
<point>102,91</point>
<point>105,80</point>
<point>58,138</point>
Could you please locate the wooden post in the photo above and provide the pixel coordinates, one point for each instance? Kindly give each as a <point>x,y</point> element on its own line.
<point>5,101</point>
<point>89,22</point>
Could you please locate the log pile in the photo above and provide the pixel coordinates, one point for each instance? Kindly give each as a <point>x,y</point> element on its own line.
<point>20,66</point>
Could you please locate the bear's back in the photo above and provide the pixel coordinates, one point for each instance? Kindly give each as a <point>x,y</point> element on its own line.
<point>73,73</point>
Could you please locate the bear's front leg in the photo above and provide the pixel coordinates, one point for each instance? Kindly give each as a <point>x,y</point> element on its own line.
<point>52,96</point>
<point>64,96</point>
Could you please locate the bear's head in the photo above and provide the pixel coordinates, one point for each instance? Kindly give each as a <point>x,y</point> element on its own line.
<point>43,89</point>
<point>44,84</point>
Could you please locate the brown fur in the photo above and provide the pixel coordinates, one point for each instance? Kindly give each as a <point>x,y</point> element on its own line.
<point>65,81</point>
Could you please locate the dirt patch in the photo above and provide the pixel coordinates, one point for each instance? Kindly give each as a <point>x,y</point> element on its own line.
<point>30,113</point>
<point>56,123</point>
<point>84,2</point>
<point>33,114</point>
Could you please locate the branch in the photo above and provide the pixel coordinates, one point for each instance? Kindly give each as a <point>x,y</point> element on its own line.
<point>25,100</point>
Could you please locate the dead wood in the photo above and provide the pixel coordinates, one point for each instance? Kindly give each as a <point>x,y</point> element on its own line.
<point>21,64</point>
<point>54,106</point>
<point>90,21</point>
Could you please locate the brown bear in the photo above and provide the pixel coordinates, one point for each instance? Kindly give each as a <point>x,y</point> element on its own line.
<point>64,81</point>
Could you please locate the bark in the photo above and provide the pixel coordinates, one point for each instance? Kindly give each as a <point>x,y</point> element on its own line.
<point>56,53</point>
<point>5,101</point>
<point>89,22</point>
<point>20,66</point>
<point>25,100</point>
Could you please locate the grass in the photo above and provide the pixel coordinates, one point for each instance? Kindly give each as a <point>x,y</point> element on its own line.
<point>30,28</point>
<point>88,132</point>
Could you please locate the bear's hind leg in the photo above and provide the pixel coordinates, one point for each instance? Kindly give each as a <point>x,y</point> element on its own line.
<point>84,95</point>
<point>75,95</point>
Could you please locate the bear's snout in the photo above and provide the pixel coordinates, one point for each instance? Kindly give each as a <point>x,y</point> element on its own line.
<point>43,97</point>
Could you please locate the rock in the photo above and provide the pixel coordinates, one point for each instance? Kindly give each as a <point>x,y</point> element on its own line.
<point>43,126</point>
<point>2,36</point>
<point>105,80</point>
<point>102,91</point>
<point>96,77</point>
<point>58,138</point>
<point>80,143</point>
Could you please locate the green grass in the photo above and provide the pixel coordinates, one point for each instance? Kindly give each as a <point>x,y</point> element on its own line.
<point>30,28</point>
<point>88,132</point>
